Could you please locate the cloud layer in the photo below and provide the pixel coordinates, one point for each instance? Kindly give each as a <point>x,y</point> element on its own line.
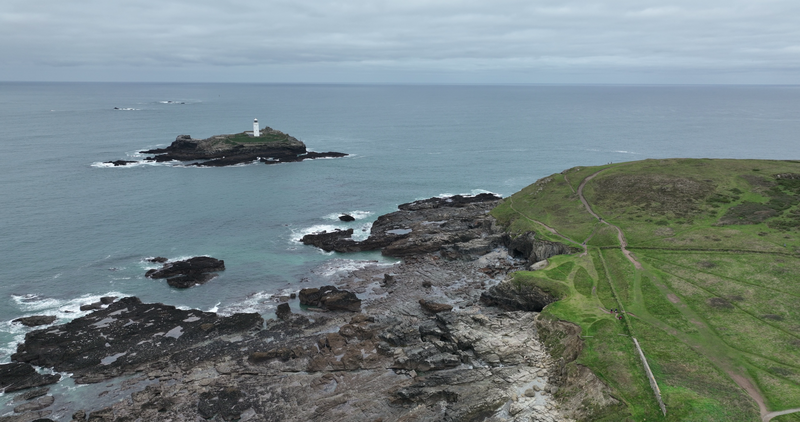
<point>755,42</point>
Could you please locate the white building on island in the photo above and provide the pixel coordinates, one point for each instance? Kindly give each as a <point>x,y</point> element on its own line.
<point>256,132</point>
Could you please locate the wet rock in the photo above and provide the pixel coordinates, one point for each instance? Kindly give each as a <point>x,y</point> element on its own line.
<point>459,227</point>
<point>190,272</point>
<point>331,298</point>
<point>31,394</point>
<point>118,163</point>
<point>80,415</point>
<point>283,312</point>
<point>17,376</point>
<point>37,404</point>
<point>128,333</point>
<point>107,300</point>
<point>36,320</point>
<point>91,306</point>
<point>347,217</point>
<point>158,259</point>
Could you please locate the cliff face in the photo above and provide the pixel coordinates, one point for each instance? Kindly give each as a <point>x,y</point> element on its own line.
<point>272,146</point>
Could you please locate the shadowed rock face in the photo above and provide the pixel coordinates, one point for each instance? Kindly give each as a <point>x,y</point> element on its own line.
<point>513,297</point>
<point>19,376</point>
<point>526,246</point>
<point>184,274</point>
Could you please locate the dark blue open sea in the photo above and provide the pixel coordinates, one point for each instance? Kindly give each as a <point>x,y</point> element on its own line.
<point>72,229</point>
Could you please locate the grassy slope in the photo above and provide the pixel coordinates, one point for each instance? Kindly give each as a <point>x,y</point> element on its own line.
<point>710,300</point>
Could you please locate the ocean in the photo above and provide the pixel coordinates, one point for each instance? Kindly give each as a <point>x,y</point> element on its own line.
<point>73,229</point>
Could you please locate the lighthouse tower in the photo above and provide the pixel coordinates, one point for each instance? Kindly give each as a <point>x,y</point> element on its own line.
<point>256,132</point>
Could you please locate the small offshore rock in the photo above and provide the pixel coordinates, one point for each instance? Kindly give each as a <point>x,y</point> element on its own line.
<point>189,272</point>
<point>36,320</point>
<point>106,300</point>
<point>347,217</point>
<point>158,259</point>
<point>91,306</point>
<point>283,312</point>
<point>118,163</point>
<point>79,415</point>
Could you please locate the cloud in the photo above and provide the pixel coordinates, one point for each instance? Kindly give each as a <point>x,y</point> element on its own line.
<point>444,36</point>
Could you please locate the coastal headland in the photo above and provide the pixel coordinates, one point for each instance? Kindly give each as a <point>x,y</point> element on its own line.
<point>656,289</point>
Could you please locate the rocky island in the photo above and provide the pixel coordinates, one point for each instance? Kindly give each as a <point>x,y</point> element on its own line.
<point>270,147</point>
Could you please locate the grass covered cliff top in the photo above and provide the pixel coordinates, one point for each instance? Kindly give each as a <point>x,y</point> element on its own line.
<point>703,258</point>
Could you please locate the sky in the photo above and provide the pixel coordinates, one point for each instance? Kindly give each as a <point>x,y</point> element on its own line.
<point>402,41</point>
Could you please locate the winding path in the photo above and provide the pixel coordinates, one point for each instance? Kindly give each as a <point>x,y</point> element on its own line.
<point>768,417</point>
<point>739,379</point>
<point>623,244</point>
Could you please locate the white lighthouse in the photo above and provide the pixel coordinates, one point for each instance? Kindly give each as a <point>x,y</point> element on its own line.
<point>256,132</point>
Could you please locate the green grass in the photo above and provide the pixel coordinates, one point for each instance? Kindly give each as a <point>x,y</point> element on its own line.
<point>244,138</point>
<point>719,244</point>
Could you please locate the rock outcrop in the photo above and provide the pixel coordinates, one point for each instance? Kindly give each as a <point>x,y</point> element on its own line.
<point>517,297</point>
<point>456,227</point>
<point>526,246</point>
<point>188,273</point>
<point>271,147</point>
<point>36,320</point>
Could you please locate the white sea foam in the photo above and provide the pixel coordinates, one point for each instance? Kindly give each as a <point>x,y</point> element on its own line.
<point>259,302</point>
<point>139,163</point>
<point>472,193</point>
<point>64,310</point>
<point>338,266</point>
<point>298,234</point>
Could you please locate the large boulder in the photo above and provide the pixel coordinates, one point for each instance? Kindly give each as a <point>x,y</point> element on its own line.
<point>526,246</point>
<point>17,376</point>
<point>36,320</point>
<point>331,298</point>
<point>512,296</point>
<point>190,272</point>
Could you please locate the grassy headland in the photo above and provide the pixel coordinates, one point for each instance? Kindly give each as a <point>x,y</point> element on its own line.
<point>710,288</point>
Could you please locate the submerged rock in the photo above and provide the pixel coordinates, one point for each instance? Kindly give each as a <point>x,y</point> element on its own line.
<point>36,320</point>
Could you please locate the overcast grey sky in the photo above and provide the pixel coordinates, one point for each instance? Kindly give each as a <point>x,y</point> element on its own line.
<point>402,41</point>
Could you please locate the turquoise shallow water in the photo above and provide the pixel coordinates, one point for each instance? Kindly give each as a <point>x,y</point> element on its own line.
<point>73,230</point>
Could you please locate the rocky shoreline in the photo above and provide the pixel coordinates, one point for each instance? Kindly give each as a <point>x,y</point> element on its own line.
<point>271,147</point>
<point>438,336</point>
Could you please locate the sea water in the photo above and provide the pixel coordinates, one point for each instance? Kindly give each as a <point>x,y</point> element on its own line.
<point>73,229</point>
